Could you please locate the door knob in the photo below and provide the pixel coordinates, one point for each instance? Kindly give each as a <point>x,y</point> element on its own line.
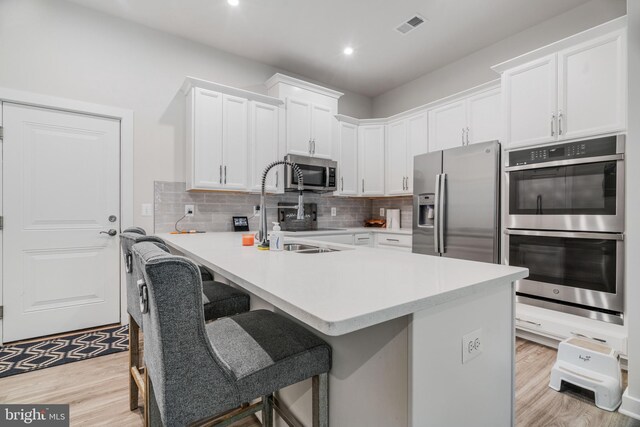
<point>111,232</point>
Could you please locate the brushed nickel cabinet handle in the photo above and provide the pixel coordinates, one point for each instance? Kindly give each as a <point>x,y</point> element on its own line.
<point>363,185</point>
<point>463,136</point>
<point>341,183</point>
<point>560,123</point>
<point>467,135</point>
<point>277,179</point>
<point>553,125</point>
<point>225,174</point>
<point>220,174</point>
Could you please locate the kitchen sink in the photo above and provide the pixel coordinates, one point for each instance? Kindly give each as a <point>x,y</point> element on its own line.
<point>307,249</point>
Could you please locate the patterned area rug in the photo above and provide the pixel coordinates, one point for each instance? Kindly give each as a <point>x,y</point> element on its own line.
<point>26,357</point>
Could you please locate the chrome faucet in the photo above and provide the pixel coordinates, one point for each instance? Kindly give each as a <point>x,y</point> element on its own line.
<point>262,230</point>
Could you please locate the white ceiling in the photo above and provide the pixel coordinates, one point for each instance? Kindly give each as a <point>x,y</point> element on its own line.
<point>307,37</point>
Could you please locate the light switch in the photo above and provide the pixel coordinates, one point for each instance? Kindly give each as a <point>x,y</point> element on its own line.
<point>147,209</point>
<point>381,211</point>
<point>333,212</point>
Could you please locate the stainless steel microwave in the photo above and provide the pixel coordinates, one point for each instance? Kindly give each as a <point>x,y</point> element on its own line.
<point>317,174</point>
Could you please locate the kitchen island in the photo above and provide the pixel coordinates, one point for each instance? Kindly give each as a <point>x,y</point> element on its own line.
<point>398,323</point>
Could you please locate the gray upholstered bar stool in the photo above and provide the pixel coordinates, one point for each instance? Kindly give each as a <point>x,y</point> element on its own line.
<point>219,300</point>
<point>199,371</point>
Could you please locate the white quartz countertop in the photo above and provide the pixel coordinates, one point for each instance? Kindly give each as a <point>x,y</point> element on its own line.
<point>340,292</point>
<point>406,231</point>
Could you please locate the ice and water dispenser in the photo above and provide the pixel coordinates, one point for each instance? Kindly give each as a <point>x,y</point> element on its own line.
<point>426,206</point>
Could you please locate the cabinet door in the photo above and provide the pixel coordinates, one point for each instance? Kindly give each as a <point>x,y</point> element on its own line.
<point>530,102</point>
<point>371,155</point>
<point>417,137</point>
<point>348,159</point>
<point>206,140</point>
<point>263,136</point>
<point>298,127</point>
<point>592,87</point>
<point>321,124</point>
<point>484,116</point>
<point>396,158</point>
<point>235,142</point>
<point>447,126</point>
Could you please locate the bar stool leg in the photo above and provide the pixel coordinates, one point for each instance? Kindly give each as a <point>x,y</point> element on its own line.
<point>134,362</point>
<point>147,399</point>
<point>267,411</point>
<point>320,396</point>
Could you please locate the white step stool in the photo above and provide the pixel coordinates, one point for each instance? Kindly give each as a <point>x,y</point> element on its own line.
<point>592,366</point>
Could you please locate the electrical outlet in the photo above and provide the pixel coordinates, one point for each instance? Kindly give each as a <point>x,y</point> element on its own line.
<point>333,211</point>
<point>381,211</point>
<point>472,345</point>
<point>189,210</point>
<point>256,210</point>
<point>147,209</point>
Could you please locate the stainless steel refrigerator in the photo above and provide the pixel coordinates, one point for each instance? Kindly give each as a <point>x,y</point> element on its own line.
<point>456,203</point>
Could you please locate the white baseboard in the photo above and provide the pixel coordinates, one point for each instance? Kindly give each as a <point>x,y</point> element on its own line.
<point>630,405</point>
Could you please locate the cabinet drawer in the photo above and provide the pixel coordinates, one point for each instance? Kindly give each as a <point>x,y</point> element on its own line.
<point>363,239</point>
<point>559,327</point>
<point>402,240</point>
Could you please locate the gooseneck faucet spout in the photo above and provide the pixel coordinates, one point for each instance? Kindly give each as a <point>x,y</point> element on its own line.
<point>262,230</point>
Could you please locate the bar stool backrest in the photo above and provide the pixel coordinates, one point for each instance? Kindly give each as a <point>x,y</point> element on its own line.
<point>188,380</point>
<point>127,240</point>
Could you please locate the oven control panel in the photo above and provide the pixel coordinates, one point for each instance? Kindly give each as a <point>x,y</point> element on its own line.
<point>571,150</point>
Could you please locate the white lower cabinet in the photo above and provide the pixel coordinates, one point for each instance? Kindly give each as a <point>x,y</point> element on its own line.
<point>363,239</point>
<point>401,242</point>
<point>551,327</point>
<point>346,239</point>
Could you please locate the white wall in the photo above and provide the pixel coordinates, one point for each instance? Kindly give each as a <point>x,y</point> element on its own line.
<point>631,400</point>
<point>61,49</point>
<point>475,69</point>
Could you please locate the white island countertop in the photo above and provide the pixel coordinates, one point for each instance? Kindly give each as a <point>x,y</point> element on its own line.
<point>341,292</point>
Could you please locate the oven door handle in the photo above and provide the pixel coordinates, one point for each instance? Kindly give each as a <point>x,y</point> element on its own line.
<point>557,163</point>
<point>566,234</point>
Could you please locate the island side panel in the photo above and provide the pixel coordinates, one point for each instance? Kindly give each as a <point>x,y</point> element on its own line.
<point>443,390</point>
<point>368,382</point>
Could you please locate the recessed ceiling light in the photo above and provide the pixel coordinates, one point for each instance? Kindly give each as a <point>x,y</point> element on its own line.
<point>348,50</point>
<point>233,2</point>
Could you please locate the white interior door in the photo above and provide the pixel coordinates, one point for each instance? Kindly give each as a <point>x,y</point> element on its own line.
<point>61,175</point>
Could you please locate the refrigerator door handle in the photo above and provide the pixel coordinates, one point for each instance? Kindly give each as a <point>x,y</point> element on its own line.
<point>436,217</point>
<point>443,211</point>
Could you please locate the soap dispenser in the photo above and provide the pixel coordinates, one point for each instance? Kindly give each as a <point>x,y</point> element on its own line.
<point>276,239</point>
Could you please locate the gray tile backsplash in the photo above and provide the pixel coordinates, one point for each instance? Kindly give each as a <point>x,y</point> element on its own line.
<point>213,210</point>
<point>405,204</point>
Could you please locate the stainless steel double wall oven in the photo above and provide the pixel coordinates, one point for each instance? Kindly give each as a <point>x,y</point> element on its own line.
<point>565,222</point>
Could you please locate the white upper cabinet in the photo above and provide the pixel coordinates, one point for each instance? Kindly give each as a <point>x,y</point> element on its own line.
<point>264,145</point>
<point>475,118</point>
<point>592,87</point>
<point>396,158</point>
<point>448,126</point>
<point>371,160</point>
<point>321,124</point>
<point>417,143</point>
<point>204,139</point>
<point>405,139</point>
<point>298,119</point>
<point>531,102</point>
<point>347,159</point>
<point>484,116</point>
<point>235,139</point>
<point>578,91</point>
<point>309,116</point>
<point>221,122</point>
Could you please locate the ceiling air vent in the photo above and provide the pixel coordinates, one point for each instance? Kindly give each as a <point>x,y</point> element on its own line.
<point>410,24</point>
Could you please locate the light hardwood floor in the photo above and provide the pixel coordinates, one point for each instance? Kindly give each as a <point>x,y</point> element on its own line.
<point>97,391</point>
